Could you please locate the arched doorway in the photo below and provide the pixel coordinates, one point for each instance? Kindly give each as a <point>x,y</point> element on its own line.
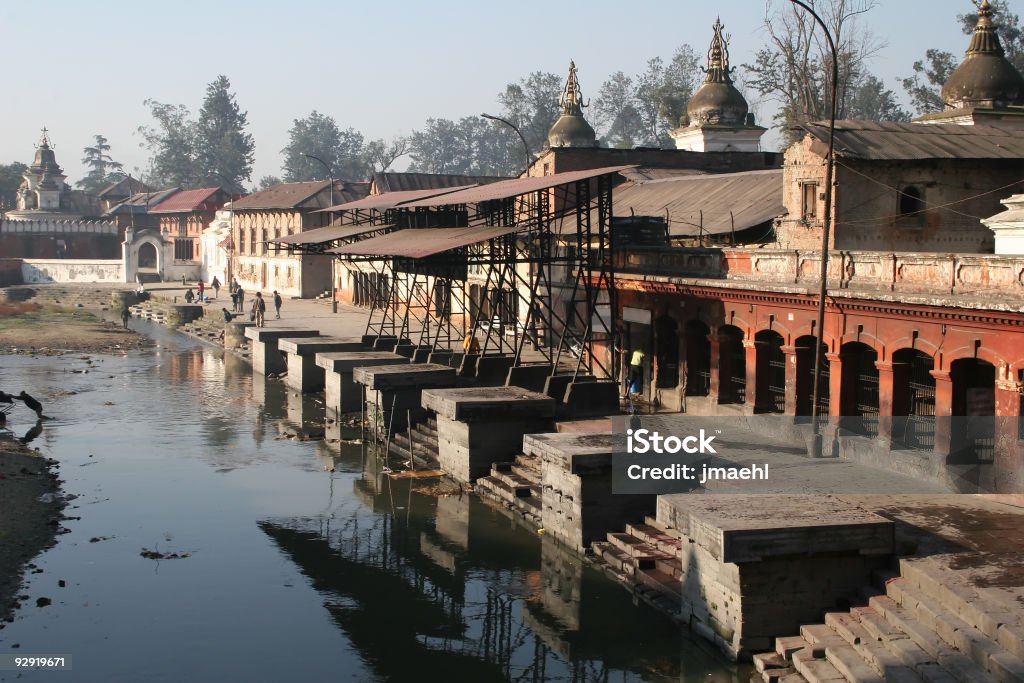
<point>913,400</point>
<point>771,372</point>
<point>698,359</point>
<point>666,336</point>
<point>732,365</point>
<point>974,398</point>
<point>147,256</point>
<point>805,377</point>
<point>858,400</point>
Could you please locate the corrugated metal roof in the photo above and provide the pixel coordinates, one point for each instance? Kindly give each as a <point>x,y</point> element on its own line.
<point>141,202</point>
<point>421,242</point>
<point>403,182</point>
<point>753,197</point>
<point>877,140</point>
<point>308,195</point>
<point>125,186</point>
<point>328,234</point>
<point>389,200</point>
<point>190,200</point>
<point>645,174</point>
<point>514,187</point>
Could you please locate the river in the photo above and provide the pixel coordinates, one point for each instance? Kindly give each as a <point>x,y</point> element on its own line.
<point>297,559</point>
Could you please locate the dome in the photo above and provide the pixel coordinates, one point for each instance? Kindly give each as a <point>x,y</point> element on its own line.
<point>717,101</point>
<point>985,78</point>
<point>571,129</point>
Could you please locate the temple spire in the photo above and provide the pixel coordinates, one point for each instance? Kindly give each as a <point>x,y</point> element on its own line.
<point>572,97</point>
<point>44,138</point>
<point>985,40</point>
<point>718,57</point>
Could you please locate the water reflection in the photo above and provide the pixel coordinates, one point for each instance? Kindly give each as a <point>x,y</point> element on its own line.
<point>365,576</point>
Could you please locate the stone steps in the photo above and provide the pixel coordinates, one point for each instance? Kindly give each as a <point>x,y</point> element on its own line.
<point>516,484</point>
<point>918,629</point>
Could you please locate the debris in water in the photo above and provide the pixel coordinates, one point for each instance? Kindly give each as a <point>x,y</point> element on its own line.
<point>157,555</point>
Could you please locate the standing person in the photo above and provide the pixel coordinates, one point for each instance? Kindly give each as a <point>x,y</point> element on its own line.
<point>277,304</point>
<point>189,296</point>
<point>125,314</point>
<point>636,372</point>
<point>202,286</point>
<point>240,294</point>
<point>216,287</point>
<point>259,308</point>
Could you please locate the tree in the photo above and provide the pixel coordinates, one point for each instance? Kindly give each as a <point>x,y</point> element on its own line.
<point>870,100</point>
<point>532,106</point>
<point>11,176</point>
<point>662,93</point>
<point>318,135</point>
<point>171,144</point>
<point>224,152</point>
<point>469,146</point>
<point>925,86</point>
<point>795,67</point>
<point>615,112</point>
<point>100,164</point>
<point>269,181</point>
<point>380,154</point>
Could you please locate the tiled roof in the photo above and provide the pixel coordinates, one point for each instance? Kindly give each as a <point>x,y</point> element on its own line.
<point>186,201</point>
<point>308,195</point>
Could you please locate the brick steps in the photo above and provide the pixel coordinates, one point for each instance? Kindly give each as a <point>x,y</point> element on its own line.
<point>918,629</point>
<point>424,446</point>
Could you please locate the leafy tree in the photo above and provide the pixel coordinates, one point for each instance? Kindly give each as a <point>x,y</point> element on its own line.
<point>269,181</point>
<point>532,106</point>
<point>223,150</point>
<point>615,112</point>
<point>870,100</point>
<point>100,164</point>
<point>925,86</point>
<point>11,176</point>
<point>469,146</point>
<point>795,67</point>
<point>171,144</point>
<point>318,135</point>
<point>662,93</point>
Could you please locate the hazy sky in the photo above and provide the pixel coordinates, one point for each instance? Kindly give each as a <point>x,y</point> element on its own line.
<point>82,68</point>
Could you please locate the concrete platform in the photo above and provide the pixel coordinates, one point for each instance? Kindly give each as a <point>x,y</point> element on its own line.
<point>398,388</point>
<point>267,359</point>
<point>342,395</point>
<point>304,375</point>
<point>234,333</point>
<point>758,567</point>
<point>578,507</point>
<point>481,425</point>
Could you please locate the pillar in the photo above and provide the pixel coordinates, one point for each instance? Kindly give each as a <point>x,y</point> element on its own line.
<point>943,412</point>
<point>835,387</point>
<point>886,384</point>
<point>750,391</point>
<point>714,363</point>
<point>1009,456</point>
<point>791,379</point>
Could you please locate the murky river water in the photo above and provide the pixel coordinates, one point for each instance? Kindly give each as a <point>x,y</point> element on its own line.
<point>304,563</point>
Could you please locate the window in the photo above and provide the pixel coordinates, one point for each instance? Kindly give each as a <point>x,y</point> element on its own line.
<point>911,203</point>
<point>809,202</point>
<point>183,249</point>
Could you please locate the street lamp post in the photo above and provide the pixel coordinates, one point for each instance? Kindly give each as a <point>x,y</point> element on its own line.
<point>526,147</point>
<point>826,226</point>
<point>334,278</point>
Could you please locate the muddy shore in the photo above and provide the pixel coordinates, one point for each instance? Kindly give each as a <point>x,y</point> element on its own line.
<point>30,499</point>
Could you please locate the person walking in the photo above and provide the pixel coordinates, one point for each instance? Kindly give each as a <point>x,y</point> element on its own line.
<point>240,299</point>
<point>216,287</point>
<point>277,304</point>
<point>259,309</point>
<point>202,286</point>
<point>125,314</point>
<point>636,372</point>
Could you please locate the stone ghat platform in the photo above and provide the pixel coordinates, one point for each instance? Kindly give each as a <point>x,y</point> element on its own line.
<point>394,393</point>
<point>341,393</point>
<point>304,375</point>
<point>477,426</point>
<point>267,358</point>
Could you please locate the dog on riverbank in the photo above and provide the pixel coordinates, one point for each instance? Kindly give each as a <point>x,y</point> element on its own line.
<point>32,404</point>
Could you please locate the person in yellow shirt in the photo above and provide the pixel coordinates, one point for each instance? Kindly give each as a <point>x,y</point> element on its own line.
<point>636,371</point>
<point>471,344</point>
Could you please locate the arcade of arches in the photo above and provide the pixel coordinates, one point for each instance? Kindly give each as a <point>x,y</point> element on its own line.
<point>888,369</point>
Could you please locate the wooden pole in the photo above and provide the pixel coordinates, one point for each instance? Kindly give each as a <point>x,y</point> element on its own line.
<point>412,455</point>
